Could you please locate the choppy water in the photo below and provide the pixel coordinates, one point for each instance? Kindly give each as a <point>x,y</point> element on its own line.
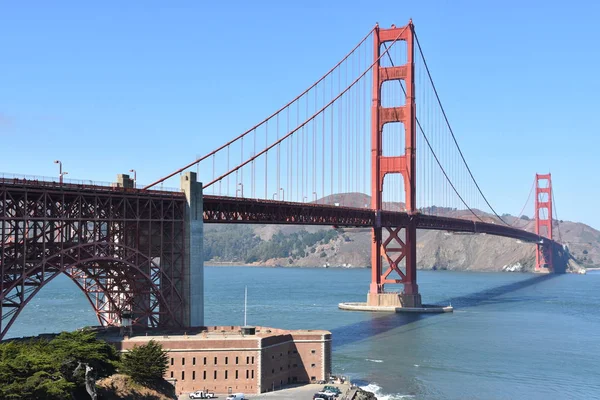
<point>512,336</point>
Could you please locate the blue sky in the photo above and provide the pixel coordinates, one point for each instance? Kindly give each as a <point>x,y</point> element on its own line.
<point>150,85</point>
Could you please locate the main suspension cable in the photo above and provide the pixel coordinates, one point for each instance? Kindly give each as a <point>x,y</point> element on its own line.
<point>430,147</point>
<point>525,205</point>
<point>309,119</point>
<point>263,121</point>
<point>452,132</point>
<point>556,214</point>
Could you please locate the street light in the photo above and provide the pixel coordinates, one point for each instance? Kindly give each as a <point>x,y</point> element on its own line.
<point>134,176</point>
<point>304,199</point>
<point>60,174</point>
<point>241,185</point>
<point>274,194</point>
<point>282,194</point>
<point>315,193</point>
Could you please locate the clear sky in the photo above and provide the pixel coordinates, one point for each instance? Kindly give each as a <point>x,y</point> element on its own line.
<point>151,85</point>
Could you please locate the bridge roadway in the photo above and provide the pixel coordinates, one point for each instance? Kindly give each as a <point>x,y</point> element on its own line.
<point>222,209</point>
<point>225,209</point>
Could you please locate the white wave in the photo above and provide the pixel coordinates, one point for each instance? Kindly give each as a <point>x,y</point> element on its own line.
<point>376,390</point>
<point>376,361</point>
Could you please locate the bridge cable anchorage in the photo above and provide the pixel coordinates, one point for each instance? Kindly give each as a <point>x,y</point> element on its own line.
<point>431,148</point>
<point>198,160</point>
<point>556,215</point>
<point>305,123</point>
<point>524,205</point>
<point>452,132</point>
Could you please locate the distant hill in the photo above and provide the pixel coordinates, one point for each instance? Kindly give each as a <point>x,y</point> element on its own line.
<point>288,245</point>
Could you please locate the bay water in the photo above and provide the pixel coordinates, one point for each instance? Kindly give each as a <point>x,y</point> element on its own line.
<point>511,336</point>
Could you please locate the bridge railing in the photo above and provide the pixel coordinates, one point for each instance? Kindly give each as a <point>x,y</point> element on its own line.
<point>48,181</point>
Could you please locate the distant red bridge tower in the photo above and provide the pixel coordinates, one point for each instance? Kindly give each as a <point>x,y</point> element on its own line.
<point>543,220</point>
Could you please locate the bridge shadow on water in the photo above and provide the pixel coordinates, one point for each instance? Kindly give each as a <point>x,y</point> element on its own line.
<point>362,330</point>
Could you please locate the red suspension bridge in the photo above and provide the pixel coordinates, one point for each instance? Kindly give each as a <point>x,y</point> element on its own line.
<point>373,124</point>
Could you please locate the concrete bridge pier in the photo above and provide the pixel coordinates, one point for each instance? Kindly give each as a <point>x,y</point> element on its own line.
<point>193,270</point>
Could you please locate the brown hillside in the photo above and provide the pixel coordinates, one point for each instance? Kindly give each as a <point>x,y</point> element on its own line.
<point>122,387</point>
<point>436,249</point>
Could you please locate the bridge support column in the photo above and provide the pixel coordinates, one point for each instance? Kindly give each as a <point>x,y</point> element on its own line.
<point>376,286</point>
<point>124,181</point>
<point>193,272</point>
<point>411,296</point>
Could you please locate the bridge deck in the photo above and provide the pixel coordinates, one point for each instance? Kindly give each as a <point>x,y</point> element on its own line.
<point>221,209</point>
<point>19,184</point>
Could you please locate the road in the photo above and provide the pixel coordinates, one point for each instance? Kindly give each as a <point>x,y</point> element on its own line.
<point>303,392</point>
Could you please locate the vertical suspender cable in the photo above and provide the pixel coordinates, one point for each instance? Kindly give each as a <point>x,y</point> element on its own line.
<point>323,150</point>
<point>331,144</point>
<point>340,147</point>
<point>266,157</point>
<point>242,160</point>
<point>278,161</point>
<point>228,170</point>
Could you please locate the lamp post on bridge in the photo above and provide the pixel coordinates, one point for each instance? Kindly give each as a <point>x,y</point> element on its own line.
<point>134,176</point>
<point>315,194</point>
<point>274,194</point>
<point>63,174</point>
<point>241,185</point>
<point>60,173</point>
<point>282,194</point>
<point>304,199</point>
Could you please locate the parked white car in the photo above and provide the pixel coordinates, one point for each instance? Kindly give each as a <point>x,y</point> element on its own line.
<point>199,394</point>
<point>236,396</point>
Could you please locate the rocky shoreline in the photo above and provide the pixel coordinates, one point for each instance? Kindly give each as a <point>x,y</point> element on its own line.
<point>362,394</point>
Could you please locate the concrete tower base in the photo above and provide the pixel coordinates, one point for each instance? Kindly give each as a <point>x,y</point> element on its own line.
<point>394,302</point>
<point>394,299</point>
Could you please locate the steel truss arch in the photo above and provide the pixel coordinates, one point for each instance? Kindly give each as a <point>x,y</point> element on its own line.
<point>111,289</point>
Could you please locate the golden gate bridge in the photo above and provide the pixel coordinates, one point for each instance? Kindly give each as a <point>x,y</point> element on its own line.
<point>373,125</point>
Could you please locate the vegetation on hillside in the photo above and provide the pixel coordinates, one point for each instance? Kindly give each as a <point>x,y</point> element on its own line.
<point>51,369</point>
<point>45,369</point>
<point>240,243</point>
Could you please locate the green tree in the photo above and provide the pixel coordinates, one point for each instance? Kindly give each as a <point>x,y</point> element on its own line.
<point>72,348</point>
<point>145,364</point>
<point>44,369</point>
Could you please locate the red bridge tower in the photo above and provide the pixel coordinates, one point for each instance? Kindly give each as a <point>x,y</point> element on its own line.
<point>543,220</point>
<point>400,245</point>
